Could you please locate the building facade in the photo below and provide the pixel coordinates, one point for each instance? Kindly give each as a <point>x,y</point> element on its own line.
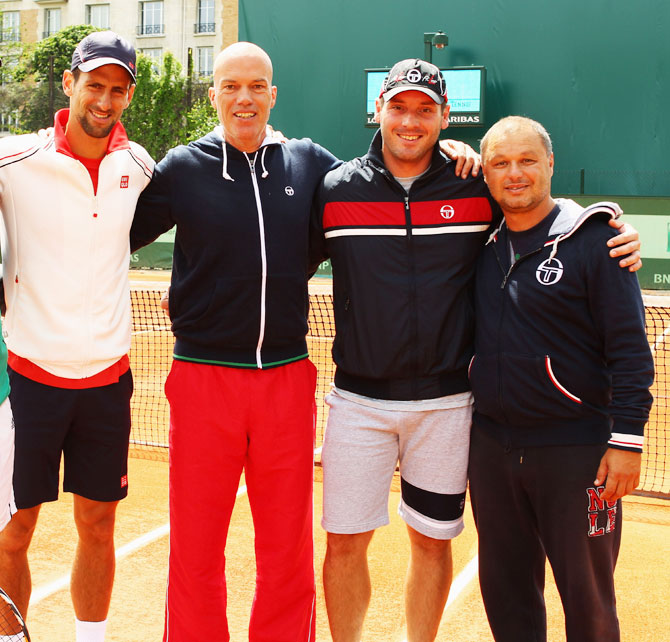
<point>154,27</point>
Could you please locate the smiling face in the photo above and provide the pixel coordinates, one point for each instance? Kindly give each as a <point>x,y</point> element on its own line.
<point>97,100</point>
<point>518,169</point>
<point>243,94</point>
<point>410,123</point>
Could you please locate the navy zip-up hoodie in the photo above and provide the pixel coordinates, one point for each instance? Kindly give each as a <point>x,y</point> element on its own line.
<point>561,354</point>
<point>240,268</point>
<point>403,272</point>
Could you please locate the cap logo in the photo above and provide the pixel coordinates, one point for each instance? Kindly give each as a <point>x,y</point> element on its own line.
<point>413,76</point>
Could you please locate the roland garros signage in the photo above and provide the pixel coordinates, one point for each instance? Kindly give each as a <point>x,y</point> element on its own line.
<point>465,92</point>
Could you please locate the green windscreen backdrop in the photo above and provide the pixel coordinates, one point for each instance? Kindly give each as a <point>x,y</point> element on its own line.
<point>595,73</point>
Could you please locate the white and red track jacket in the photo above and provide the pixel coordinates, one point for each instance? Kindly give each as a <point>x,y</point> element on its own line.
<point>65,250</point>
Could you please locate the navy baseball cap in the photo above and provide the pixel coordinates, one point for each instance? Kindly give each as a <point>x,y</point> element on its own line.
<point>104,48</point>
<point>414,74</point>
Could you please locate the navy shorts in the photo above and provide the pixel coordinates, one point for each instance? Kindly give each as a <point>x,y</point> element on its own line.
<point>91,427</point>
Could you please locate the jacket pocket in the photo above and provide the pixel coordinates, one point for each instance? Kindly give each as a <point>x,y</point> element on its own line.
<point>531,391</point>
<point>557,384</point>
<point>522,389</point>
<point>229,316</point>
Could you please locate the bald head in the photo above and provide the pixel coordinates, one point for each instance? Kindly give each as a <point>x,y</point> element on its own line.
<point>512,126</point>
<point>241,50</point>
<point>243,94</point>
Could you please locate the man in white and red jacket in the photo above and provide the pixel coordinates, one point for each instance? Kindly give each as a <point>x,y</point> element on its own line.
<point>561,379</point>
<point>67,204</point>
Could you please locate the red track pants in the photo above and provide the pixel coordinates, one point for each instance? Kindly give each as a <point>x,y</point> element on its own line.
<point>221,421</point>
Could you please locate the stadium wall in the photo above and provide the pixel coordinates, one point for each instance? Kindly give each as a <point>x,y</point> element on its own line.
<point>596,74</point>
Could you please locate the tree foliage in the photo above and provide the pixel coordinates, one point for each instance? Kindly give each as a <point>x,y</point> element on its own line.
<point>32,80</point>
<point>59,45</point>
<point>166,110</point>
<point>156,117</point>
<point>201,119</point>
<point>159,116</point>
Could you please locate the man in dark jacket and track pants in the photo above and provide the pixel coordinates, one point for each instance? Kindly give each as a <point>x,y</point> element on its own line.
<point>561,379</point>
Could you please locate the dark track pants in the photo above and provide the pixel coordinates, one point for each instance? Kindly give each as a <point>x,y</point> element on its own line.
<point>536,503</point>
<point>224,420</point>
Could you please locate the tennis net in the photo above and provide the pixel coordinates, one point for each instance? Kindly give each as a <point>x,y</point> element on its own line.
<point>151,355</point>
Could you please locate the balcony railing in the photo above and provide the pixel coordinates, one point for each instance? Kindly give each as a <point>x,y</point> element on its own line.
<point>150,30</point>
<point>10,35</point>
<point>8,120</point>
<point>204,27</point>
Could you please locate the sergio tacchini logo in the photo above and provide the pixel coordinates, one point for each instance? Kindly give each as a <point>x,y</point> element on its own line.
<point>549,272</point>
<point>447,212</point>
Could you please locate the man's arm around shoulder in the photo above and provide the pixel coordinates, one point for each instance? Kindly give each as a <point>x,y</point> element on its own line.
<point>153,214</point>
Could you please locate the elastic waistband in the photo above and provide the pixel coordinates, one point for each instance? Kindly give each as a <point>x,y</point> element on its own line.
<point>409,389</point>
<point>554,431</point>
<point>235,358</point>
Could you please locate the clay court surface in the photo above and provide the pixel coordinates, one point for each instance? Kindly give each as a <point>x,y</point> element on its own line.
<point>643,572</point>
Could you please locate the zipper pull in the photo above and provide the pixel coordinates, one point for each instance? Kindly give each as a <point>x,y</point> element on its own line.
<point>251,161</point>
<point>504,282</point>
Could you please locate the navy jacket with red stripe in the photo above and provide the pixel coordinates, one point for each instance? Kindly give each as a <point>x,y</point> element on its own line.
<point>403,270</point>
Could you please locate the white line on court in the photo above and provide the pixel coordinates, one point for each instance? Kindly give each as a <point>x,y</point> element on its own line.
<point>462,580</point>
<point>46,590</point>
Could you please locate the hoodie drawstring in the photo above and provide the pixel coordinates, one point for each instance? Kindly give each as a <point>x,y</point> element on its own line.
<point>265,171</point>
<point>554,246</point>
<point>225,174</point>
<point>493,235</point>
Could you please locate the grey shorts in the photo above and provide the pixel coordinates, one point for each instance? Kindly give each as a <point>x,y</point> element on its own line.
<point>362,445</point>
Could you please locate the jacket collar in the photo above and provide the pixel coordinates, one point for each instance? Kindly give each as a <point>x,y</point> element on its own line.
<point>572,215</point>
<point>376,157</point>
<point>118,139</point>
<point>570,218</point>
<point>267,141</point>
